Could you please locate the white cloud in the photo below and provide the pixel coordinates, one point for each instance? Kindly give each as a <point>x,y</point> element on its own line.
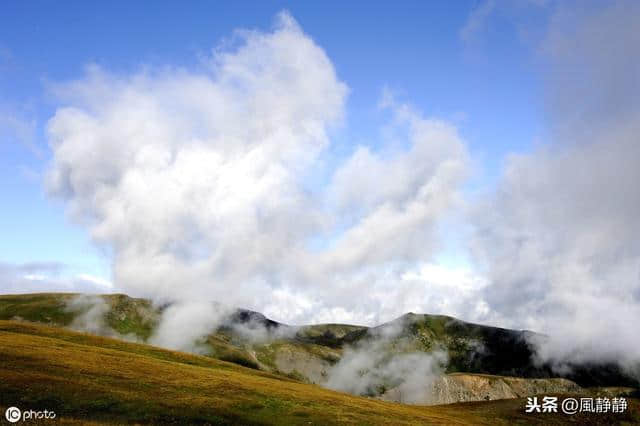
<point>97,281</point>
<point>560,239</point>
<point>183,324</point>
<point>370,368</point>
<point>196,180</point>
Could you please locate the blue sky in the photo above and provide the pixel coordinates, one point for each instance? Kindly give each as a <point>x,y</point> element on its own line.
<point>487,86</point>
<point>209,176</point>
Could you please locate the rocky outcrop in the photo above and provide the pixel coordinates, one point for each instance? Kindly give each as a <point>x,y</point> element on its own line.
<point>459,387</point>
<point>310,367</point>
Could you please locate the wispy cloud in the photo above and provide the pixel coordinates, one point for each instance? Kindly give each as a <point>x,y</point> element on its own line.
<point>18,129</point>
<point>560,237</point>
<point>48,277</point>
<point>477,20</point>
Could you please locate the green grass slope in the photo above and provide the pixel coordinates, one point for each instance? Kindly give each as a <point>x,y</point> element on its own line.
<point>40,307</point>
<point>86,378</point>
<point>126,315</point>
<point>308,352</point>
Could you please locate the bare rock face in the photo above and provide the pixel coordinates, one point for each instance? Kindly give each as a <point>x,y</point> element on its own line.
<point>312,368</point>
<point>460,387</point>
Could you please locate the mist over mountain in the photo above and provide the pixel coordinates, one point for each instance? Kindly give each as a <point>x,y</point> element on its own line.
<point>413,359</point>
<point>559,239</point>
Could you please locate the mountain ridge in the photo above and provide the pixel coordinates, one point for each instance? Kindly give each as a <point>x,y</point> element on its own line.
<point>310,353</point>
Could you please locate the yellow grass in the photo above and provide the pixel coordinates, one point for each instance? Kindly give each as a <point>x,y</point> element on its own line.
<point>89,378</point>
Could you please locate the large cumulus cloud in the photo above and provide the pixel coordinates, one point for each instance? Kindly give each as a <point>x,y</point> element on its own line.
<point>198,182</point>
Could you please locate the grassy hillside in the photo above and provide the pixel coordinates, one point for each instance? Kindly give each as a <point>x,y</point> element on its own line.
<point>40,307</point>
<point>471,347</point>
<point>308,352</point>
<point>126,315</point>
<point>98,379</point>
